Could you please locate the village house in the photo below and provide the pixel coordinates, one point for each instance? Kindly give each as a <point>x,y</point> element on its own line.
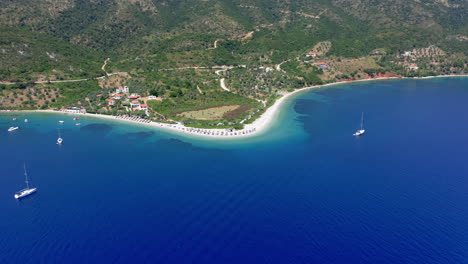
<point>413,67</point>
<point>311,54</point>
<point>118,90</point>
<point>144,107</point>
<point>118,96</point>
<point>406,54</point>
<point>110,102</point>
<point>134,104</point>
<point>126,89</point>
<point>152,97</point>
<point>323,65</point>
<point>134,96</point>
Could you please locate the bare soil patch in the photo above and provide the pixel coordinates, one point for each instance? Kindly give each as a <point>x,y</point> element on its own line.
<point>216,113</point>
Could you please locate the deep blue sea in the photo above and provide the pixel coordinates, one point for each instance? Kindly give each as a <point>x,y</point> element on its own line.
<point>306,191</point>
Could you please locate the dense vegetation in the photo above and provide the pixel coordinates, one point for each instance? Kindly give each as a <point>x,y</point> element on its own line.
<point>27,56</point>
<point>156,48</point>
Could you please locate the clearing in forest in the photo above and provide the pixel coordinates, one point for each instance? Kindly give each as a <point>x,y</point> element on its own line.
<point>216,113</point>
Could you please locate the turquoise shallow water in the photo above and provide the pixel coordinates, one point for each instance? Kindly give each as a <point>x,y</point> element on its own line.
<point>304,192</point>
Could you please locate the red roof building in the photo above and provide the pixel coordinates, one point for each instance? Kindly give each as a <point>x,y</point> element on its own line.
<point>322,65</point>
<point>134,104</point>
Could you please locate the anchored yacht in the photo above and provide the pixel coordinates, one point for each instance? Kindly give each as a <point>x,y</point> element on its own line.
<point>362,130</point>
<point>27,191</point>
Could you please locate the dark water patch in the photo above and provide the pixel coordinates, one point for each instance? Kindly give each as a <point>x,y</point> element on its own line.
<point>97,127</point>
<point>135,138</point>
<point>176,145</point>
<point>139,135</point>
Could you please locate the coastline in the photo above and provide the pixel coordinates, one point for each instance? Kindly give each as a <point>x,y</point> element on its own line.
<point>256,128</point>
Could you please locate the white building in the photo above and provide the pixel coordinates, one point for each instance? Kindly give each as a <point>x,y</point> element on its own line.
<point>406,53</point>
<point>135,104</point>
<point>76,110</point>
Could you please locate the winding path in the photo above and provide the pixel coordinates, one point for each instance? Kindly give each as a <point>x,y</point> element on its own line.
<point>223,68</point>
<point>103,68</point>
<point>223,84</point>
<point>215,45</point>
<point>278,66</point>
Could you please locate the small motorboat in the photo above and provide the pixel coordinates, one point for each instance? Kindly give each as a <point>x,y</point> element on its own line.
<point>76,118</point>
<point>77,124</point>
<point>59,139</point>
<point>12,129</point>
<point>61,121</point>
<point>26,120</point>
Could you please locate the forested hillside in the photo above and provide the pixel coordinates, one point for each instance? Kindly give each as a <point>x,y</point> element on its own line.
<point>118,26</point>
<point>175,48</point>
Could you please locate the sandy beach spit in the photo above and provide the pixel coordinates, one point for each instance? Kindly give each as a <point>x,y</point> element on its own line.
<point>260,125</point>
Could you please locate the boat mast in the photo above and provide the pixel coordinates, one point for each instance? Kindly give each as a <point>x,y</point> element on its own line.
<point>362,120</point>
<point>26,176</point>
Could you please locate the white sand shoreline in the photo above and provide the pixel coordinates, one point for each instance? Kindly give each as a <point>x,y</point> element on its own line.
<point>259,126</point>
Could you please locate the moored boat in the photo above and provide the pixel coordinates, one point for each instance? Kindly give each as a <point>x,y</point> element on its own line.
<point>362,130</point>
<point>59,139</point>
<point>12,129</point>
<point>27,191</point>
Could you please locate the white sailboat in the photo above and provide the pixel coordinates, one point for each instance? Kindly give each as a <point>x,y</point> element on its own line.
<point>362,130</point>
<point>59,139</point>
<point>27,191</point>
